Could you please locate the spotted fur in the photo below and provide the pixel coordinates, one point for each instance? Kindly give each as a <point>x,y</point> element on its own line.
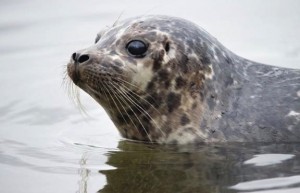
<point>188,87</point>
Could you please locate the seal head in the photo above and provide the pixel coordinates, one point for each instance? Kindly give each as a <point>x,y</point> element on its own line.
<point>164,79</point>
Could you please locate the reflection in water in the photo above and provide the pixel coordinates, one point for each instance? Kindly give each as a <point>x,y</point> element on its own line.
<point>205,168</point>
<point>268,159</point>
<point>138,167</point>
<point>268,183</point>
<point>84,175</point>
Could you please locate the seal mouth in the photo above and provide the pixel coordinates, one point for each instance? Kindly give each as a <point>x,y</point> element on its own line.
<point>73,73</point>
<point>76,76</point>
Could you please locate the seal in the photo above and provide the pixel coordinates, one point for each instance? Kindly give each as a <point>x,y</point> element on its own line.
<point>164,79</point>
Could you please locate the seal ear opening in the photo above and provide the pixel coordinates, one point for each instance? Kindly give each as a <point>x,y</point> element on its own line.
<point>167,47</point>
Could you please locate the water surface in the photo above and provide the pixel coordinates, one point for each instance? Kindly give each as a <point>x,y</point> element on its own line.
<point>48,145</point>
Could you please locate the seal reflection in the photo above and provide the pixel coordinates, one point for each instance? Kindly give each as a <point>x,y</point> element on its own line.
<point>203,168</point>
<point>142,168</point>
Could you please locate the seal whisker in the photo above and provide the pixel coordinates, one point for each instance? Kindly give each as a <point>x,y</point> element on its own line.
<point>141,109</point>
<point>144,93</point>
<point>105,93</point>
<point>117,98</point>
<point>73,93</point>
<point>118,19</point>
<point>149,137</point>
<point>120,79</point>
<point>107,88</point>
<point>113,101</point>
<point>130,92</point>
<point>77,100</point>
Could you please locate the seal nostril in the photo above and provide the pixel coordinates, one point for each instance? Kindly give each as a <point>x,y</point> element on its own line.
<point>74,56</point>
<point>83,58</point>
<point>167,47</point>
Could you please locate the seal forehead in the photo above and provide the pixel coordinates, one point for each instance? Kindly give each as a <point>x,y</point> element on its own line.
<point>188,37</point>
<point>174,27</point>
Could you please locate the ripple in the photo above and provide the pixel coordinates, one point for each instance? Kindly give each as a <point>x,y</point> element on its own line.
<point>268,159</point>
<point>270,183</point>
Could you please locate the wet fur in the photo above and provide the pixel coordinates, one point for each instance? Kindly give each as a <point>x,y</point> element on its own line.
<point>188,88</point>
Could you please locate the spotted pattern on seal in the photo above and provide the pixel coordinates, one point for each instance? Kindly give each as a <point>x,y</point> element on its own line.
<point>186,87</point>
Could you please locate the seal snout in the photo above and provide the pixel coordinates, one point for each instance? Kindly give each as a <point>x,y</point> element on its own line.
<point>80,58</point>
<point>73,68</point>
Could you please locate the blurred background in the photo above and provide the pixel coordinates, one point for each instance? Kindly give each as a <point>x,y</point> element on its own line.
<point>40,127</point>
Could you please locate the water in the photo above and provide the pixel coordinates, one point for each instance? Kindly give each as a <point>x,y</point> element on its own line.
<point>48,145</point>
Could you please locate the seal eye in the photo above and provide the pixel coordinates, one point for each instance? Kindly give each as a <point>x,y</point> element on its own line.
<point>137,48</point>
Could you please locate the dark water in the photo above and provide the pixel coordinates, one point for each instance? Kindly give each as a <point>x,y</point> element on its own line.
<point>48,145</point>
<point>205,168</point>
